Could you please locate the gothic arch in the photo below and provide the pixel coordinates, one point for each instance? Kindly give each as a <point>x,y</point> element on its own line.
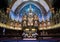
<point>42,2</point>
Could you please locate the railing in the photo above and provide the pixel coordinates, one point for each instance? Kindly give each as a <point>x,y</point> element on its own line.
<point>9,27</point>
<point>16,28</point>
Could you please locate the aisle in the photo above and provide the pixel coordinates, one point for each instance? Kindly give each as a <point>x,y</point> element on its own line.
<point>29,41</point>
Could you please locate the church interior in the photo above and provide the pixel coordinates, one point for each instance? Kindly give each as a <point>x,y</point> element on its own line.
<point>29,20</point>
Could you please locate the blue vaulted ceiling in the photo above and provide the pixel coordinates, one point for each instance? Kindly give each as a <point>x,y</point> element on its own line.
<point>25,10</point>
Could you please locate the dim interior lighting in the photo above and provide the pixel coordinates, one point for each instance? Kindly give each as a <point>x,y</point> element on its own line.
<point>16,28</point>
<point>49,27</point>
<point>20,28</point>
<point>33,29</point>
<point>27,29</point>
<point>44,27</point>
<point>40,28</point>
<point>11,27</point>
